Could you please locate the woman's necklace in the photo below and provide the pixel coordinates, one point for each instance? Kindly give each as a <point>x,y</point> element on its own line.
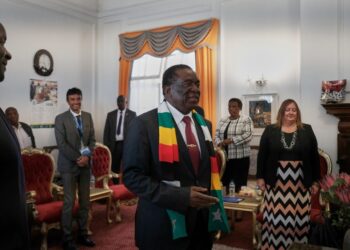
<point>292,143</point>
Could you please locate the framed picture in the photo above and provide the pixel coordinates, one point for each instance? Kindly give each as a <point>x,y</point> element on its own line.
<point>262,109</point>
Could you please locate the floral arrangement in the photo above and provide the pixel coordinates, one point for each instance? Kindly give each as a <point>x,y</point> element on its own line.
<point>336,190</point>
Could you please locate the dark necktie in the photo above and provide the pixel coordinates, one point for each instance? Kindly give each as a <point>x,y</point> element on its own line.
<point>80,128</point>
<point>120,123</point>
<point>192,145</point>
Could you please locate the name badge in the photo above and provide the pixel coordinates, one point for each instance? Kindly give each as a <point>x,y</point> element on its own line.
<point>85,151</point>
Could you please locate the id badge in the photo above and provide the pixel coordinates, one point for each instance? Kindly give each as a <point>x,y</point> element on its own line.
<point>85,151</point>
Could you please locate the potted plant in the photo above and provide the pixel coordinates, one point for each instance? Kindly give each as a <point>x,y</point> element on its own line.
<point>335,189</point>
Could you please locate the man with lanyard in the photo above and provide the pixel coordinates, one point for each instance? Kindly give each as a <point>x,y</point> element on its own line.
<point>75,138</point>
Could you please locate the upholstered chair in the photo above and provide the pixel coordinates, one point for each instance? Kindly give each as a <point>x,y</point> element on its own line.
<point>101,169</point>
<point>317,205</point>
<point>39,170</point>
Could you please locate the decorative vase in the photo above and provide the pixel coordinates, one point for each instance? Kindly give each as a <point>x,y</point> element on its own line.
<point>346,241</point>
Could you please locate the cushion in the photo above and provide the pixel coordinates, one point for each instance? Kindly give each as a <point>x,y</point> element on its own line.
<point>120,192</point>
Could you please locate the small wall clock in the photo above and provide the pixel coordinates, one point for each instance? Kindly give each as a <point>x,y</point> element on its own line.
<point>43,62</point>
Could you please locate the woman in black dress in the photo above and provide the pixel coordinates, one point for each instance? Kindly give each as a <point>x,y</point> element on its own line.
<point>287,170</point>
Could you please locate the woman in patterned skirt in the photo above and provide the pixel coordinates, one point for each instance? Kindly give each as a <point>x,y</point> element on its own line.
<point>287,170</point>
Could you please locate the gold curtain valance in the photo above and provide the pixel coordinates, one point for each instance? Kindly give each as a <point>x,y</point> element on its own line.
<point>162,41</point>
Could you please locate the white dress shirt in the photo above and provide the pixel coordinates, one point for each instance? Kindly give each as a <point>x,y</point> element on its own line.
<point>178,116</point>
<point>23,138</point>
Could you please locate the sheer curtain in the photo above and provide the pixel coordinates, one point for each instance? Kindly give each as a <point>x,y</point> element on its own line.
<point>200,37</point>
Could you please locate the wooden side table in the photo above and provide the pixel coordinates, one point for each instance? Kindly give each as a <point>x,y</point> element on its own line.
<point>97,194</point>
<point>248,204</point>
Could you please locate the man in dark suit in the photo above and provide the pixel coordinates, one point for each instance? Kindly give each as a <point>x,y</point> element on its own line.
<point>14,233</point>
<point>22,130</point>
<point>181,185</point>
<point>116,127</point>
<point>75,136</point>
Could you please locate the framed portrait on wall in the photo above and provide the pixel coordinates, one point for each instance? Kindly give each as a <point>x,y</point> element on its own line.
<point>262,109</point>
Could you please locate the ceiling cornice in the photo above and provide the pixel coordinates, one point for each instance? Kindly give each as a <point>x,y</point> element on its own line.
<point>154,10</point>
<point>86,11</point>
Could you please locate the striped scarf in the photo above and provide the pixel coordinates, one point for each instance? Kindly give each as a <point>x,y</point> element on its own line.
<point>169,153</point>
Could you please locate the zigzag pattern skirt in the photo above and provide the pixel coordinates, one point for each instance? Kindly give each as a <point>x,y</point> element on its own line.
<point>286,213</point>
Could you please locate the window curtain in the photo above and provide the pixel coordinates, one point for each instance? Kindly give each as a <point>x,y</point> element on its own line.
<point>200,37</point>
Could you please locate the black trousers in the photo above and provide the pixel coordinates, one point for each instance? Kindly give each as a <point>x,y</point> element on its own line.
<point>117,156</point>
<point>236,170</point>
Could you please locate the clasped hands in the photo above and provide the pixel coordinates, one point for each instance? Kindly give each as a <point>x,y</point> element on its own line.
<point>199,198</point>
<point>83,161</point>
<point>225,142</point>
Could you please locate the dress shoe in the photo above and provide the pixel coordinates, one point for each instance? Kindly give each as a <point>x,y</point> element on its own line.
<point>86,241</point>
<point>69,245</point>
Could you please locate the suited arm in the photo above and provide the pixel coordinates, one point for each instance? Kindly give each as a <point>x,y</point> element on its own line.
<point>92,140</point>
<point>107,131</point>
<point>314,156</point>
<point>263,154</point>
<point>141,171</point>
<point>63,146</point>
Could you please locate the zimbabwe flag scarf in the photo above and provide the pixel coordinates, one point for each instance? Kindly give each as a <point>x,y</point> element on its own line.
<point>169,153</point>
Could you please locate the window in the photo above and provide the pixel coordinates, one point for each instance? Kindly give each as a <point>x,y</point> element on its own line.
<point>146,79</point>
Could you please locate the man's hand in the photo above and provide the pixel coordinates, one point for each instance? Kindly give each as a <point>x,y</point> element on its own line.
<point>83,161</point>
<point>199,199</point>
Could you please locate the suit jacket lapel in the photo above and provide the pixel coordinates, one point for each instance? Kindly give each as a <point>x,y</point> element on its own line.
<point>204,150</point>
<point>9,126</point>
<point>72,123</point>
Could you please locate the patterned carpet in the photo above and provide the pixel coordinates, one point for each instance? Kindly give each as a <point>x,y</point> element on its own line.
<point>121,236</point>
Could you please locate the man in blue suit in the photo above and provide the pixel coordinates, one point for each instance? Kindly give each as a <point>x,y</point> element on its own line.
<point>14,233</point>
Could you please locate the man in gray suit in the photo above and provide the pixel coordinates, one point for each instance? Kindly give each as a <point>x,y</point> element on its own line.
<point>116,127</point>
<point>75,138</point>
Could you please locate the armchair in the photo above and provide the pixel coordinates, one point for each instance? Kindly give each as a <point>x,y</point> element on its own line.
<point>39,171</point>
<point>317,206</point>
<point>101,169</point>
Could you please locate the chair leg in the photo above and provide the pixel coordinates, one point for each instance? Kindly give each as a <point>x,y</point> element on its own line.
<point>44,231</point>
<point>108,210</point>
<point>118,217</point>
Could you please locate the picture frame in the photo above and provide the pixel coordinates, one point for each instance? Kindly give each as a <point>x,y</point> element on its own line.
<point>262,109</point>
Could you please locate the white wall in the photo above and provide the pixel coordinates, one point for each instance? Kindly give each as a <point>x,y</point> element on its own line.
<point>295,43</point>
<point>71,43</point>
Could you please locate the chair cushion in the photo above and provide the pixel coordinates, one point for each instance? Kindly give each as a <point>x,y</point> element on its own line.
<point>49,212</point>
<point>120,192</point>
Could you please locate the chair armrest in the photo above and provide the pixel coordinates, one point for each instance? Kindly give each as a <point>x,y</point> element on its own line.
<point>31,208</point>
<point>57,192</point>
<point>30,196</point>
<point>114,175</point>
<point>105,179</point>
